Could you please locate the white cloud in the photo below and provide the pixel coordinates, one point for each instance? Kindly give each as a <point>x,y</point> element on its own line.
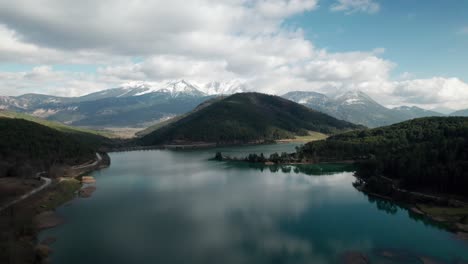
<point>143,27</point>
<point>45,80</point>
<point>13,49</point>
<point>433,92</point>
<point>281,8</point>
<point>353,6</point>
<point>199,40</point>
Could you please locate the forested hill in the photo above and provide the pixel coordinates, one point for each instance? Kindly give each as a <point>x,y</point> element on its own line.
<point>27,147</point>
<point>424,154</point>
<point>247,117</point>
<point>86,136</point>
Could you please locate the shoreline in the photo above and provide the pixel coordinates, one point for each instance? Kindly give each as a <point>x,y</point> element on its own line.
<point>443,210</point>
<point>422,204</point>
<point>37,212</point>
<point>192,146</point>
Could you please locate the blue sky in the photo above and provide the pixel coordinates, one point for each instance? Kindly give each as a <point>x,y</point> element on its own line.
<point>401,52</point>
<point>422,37</point>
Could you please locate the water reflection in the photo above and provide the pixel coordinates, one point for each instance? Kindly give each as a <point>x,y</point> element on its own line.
<point>308,169</point>
<point>177,207</point>
<point>384,205</point>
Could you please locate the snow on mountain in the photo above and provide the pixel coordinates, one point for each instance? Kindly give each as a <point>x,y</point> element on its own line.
<point>354,98</point>
<point>134,88</point>
<point>137,88</point>
<point>312,99</point>
<point>224,88</point>
<point>178,88</point>
<point>182,87</point>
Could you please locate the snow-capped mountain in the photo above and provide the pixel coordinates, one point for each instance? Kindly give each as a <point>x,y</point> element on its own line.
<point>317,100</point>
<point>354,98</point>
<point>225,88</point>
<point>142,103</point>
<point>124,90</point>
<point>181,88</point>
<point>356,107</point>
<point>172,88</point>
<point>130,104</point>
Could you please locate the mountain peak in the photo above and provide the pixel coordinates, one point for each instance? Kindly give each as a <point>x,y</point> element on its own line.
<point>224,88</point>
<point>307,97</point>
<point>355,97</point>
<point>181,87</point>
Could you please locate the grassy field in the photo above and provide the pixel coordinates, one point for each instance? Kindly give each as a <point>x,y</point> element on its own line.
<point>62,192</point>
<point>313,136</point>
<point>453,214</point>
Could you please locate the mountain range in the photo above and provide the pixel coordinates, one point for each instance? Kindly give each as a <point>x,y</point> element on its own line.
<point>359,108</point>
<point>460,113</point>
<point>135,104</point>
<point>141,104</point>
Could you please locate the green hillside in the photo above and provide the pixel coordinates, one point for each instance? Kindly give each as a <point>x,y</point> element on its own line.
<point>86,136</point>
<point>157,126</point>
<point>426,154</point>
<point>246,117</point>
<point>27,147</point>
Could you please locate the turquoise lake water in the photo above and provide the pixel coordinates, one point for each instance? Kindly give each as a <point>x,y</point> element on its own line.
<point>179,207</point>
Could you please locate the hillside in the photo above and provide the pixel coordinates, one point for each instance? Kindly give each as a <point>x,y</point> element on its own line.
<point>426,154</point>
<point>87,136</point>
<point>171,120</point>
<point>246,117</point>
<point>27,147</point>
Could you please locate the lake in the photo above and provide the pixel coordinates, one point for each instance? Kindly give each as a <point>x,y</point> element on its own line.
<point>180,207</point>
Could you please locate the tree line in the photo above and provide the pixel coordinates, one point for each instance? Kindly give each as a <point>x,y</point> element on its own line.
<point>427,154</point>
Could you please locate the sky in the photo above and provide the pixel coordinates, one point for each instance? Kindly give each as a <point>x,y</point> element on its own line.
<point>400,52</point>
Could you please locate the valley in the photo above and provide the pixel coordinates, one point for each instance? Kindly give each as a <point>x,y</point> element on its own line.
<point>233,132</point>
<point>278,137</point>
<point>138,105</point>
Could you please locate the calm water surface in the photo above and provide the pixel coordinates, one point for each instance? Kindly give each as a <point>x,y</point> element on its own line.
<point>179,207</point>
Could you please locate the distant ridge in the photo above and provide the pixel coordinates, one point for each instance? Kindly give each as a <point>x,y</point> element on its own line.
<point>358,107</point>
<point>133,104</point>
<point>460,113</point>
